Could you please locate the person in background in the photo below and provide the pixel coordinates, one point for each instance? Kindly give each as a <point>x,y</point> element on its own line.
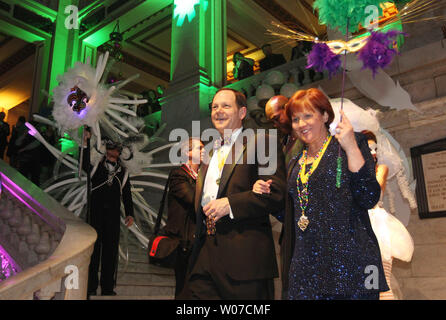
<point>271,59</point>
<point>47,157</point>
<point>275,112</point>
<point>328,247</point>
<point>298,52</point>
<point>181,214</point>
<point>4,133</point>
<point>243,67</point>
<point>393,238</point>
<point>29,156</point>
<point>17,131</point>
<point>110,185</point>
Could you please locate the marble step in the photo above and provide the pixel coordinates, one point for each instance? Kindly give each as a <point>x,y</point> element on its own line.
<point>167,297</point>
<point>144,279</point>
<point>143,267</point>
<point>134,250</point>
<point>144,287</point>
<point>155,289</point>
<point>136,254</point>
<point>137,257</point>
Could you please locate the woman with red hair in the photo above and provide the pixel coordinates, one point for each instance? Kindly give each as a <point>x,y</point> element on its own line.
<point>329,250</point>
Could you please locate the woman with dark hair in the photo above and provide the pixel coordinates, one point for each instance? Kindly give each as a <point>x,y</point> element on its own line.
<point>181,214</point>
<point>329,250</point>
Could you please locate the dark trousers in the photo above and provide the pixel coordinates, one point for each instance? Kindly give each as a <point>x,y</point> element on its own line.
<point>2,150</point>
<point>208,281</point>
<point>181,267</point>
<point>30,170</point>
<point>107,225</point>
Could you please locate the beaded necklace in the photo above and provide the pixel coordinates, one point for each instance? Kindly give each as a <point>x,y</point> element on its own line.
<point>190,171</point>
<point>304,178</point>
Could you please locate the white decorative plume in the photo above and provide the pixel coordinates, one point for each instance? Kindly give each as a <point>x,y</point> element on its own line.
<point>380,88</point>
<point>389,152</point>
<point>109,112</point>
<point>104,103</point>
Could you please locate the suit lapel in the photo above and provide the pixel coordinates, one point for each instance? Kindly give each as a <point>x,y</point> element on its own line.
<point>235,154</point>
<point>292,163</point>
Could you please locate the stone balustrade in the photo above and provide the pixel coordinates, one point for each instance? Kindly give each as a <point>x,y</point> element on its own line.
<point>45,249</point>
<point>290,70</point>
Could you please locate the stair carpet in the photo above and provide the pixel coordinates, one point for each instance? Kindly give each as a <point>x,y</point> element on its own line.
<point>139,280</point>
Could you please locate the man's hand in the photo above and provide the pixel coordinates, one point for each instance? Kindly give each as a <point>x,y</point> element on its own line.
<point>128,221</point>
<point>87,135</point>
<point>217,209</point>
<point>262,186</point>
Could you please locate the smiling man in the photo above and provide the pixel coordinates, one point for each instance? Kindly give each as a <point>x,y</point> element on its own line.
<point>275,112</point>
<point>233,257</point>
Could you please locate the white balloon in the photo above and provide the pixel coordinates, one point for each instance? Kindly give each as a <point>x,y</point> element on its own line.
<point>265,91</point>
<point>275,77</point>
<point>252,103</point>
<point>288,89</point>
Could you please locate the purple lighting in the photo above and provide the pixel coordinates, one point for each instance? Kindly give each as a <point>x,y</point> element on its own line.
<point>83,113</point>
<point>8,267</point>
<point>32,131</point>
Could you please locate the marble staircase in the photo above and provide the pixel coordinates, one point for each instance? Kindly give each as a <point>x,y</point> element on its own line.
<point>138,280</point>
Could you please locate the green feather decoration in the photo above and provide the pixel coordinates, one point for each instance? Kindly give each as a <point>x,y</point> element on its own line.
<point>339,13</point>
<point>399,2</point>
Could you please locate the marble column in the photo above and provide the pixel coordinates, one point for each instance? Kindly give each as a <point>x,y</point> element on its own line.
<point>198,62</point>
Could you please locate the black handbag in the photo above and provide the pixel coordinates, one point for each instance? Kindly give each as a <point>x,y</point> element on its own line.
<point>163,249</point>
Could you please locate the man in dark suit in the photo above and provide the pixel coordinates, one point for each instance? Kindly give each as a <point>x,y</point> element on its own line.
<point>233,256</point>
<point>275,112</point>
<point>110,184</point>
<point>271,59</point>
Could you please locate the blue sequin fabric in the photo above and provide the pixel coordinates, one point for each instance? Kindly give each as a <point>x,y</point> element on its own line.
<point>330,257</point>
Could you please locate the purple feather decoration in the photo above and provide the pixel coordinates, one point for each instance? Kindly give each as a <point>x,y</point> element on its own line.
<point>379,51</point>
<point>322,58</point>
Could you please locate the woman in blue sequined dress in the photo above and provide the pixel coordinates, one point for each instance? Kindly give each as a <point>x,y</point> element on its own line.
<point>329,250</point>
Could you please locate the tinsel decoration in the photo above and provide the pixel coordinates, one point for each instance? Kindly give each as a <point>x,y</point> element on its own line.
<point>343,14</point>
<point>322,58</point>
<point>379,50</point>
<point>338,172</point>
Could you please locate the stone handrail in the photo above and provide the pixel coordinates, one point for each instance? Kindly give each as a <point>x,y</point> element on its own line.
<point>290,69</point>
<point>49,246</point>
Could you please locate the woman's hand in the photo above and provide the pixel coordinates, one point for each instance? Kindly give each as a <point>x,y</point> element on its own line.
<point>346,137</point>
<point>345,134</point>
<point>261,186</point>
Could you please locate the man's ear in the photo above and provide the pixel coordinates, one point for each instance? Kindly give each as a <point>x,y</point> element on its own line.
<point>242,112</point>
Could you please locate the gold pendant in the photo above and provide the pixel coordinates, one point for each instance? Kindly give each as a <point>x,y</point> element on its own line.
<point>303,222</point>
